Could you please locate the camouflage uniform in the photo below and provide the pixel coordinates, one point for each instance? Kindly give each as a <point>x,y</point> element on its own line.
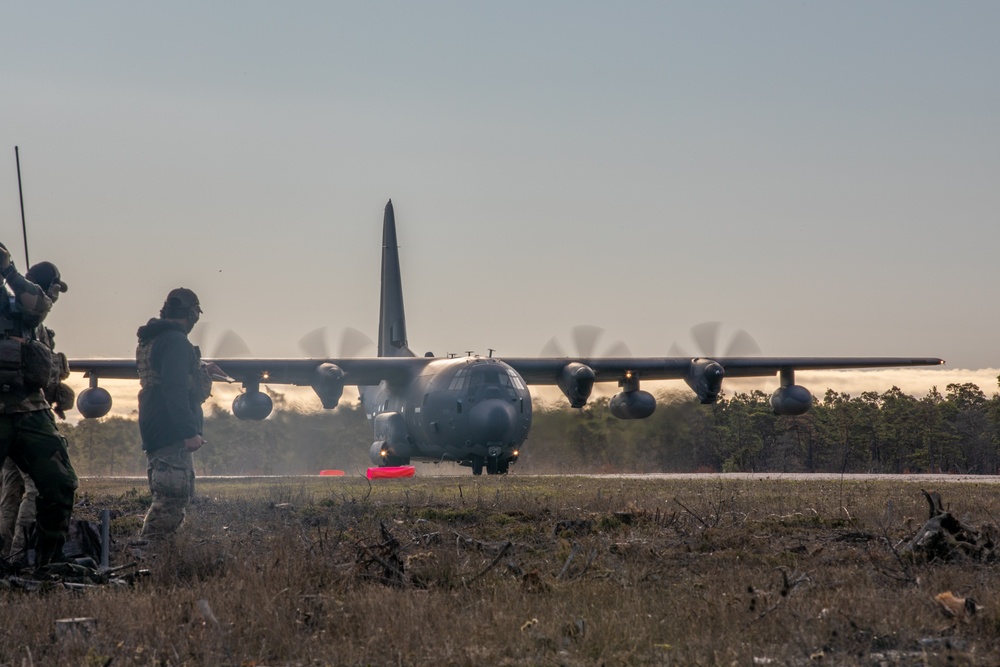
<point>17,510</point>
<point>17,490</point>
<point>173,387</point>
<point>28,433</point>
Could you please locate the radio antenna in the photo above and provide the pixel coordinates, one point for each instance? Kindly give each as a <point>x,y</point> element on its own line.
<point>20,193</point>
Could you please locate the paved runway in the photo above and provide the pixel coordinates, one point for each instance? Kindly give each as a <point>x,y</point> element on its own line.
<point>805,477</point>
<point>789,476</point>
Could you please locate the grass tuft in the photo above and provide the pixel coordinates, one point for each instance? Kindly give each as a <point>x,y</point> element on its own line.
<point>524,571</point>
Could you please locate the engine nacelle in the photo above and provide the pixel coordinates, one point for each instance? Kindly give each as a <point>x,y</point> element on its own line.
<point>791,400</point>
<point>705,379</point>
<point>252,405</point>
<point>392,440</point>
<point>636,404</point>
<point>329,384</point>
<point>576,382</point>
<point>94,402</point>
<point>378,453</point>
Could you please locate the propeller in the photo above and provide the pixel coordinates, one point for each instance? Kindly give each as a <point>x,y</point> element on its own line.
<point>585,339</point>
<point>352,343</point>
<point>706,338</point>
<point>313,344</point>
<point>230,344</point>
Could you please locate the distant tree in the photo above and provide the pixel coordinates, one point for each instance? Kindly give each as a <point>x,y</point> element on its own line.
<point>967,412</point>
<point>672,439</point>
<point>750,425</point>
<point>934,450</point>
<point>547,447</point>
<point>107,446</point>
<point>993,412</point>
<point>842,430</point>
<point>595,437</point>
<point>881,432</point>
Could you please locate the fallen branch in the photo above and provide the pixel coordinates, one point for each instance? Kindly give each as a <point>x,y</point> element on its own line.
<point>586,566</point>
<point>700,520</point>
<point>507,545</point>
<point>572,554</point>
<point>946,538</point>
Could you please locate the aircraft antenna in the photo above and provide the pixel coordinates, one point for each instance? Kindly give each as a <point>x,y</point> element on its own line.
<point>492,350</point>
<point>20,194</point>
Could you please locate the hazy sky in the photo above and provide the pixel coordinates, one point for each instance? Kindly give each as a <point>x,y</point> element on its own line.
<point>823,175</point>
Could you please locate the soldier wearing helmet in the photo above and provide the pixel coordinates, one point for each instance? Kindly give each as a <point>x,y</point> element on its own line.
<point>173,387</point>
<point>28,433</point>
<point>17,490</point>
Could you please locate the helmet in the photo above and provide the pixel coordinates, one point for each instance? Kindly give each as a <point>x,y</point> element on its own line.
<point>181,302</point>
<point>46,276</point>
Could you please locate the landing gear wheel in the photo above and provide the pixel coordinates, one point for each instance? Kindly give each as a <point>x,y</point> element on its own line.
<point>503,466</point>
<point>477,465</point>
<point>492,464</point>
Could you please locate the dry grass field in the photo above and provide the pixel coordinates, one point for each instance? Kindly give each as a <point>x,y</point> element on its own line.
<point>525,571</point>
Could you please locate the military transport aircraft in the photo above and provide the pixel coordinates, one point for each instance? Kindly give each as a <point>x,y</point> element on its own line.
<point>474,410</point>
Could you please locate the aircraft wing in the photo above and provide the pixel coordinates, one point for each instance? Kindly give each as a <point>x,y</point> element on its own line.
<point>575,377</point>
<point>763,366</point>
<point>115,369</point>
<point>534,370</point>
<point>357,371</point>
<point>547,370</point>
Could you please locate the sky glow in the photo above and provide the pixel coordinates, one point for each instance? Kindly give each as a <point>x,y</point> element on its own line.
<point>822,175</point>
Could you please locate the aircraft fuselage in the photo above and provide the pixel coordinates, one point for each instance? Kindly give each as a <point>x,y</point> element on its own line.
<point>473,410</point>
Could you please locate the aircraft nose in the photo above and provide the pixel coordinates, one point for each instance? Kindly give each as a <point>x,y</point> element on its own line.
<point>491,421</point>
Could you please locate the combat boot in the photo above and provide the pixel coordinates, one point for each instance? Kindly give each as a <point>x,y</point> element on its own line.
<point>49,550</point>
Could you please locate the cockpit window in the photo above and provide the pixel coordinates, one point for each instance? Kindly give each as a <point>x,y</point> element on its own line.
<point>489,376</point>
<point>461,379</point>
<point>515,379</point>
<point>481,376</point>
<point>496,381</point>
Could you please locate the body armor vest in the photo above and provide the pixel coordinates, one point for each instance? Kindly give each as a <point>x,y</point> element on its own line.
<point>199,382</point>
<point>25,362</point>
<point>148,377</point>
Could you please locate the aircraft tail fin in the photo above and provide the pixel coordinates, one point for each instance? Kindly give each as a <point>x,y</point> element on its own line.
<point>392,319</point>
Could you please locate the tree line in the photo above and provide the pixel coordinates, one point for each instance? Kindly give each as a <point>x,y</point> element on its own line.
<point>888,432</point>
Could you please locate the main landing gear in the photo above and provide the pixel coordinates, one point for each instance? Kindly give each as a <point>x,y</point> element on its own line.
<point>494,465</point>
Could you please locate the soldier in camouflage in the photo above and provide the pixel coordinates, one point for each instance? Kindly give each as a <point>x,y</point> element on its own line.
<point>28,433</point>
<point>174,384</point>
<point>17,505</point>
<point>17,510</point>
<point>17,490</point>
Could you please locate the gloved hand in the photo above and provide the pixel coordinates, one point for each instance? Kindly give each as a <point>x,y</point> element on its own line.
<point>64,396</point>
<point>6,263</point>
